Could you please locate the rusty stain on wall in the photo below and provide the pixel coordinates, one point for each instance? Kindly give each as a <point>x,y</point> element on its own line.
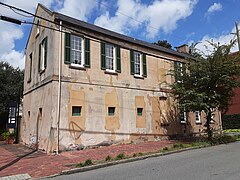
<point>112,123</point>
<point>140,120</point>
<point>76,123</point>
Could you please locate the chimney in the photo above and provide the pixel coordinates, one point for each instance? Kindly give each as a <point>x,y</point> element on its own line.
<point>183,49</point>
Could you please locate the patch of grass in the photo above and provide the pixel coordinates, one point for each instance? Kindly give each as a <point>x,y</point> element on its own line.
<point>120,156</point>
<point>108,158</point>
<point>232,130</point>
<point>88,162</point>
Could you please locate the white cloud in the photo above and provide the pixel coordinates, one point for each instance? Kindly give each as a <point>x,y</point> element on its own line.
<point>158,16</point>
<point>222,39</point>
<point>216,7</point>
<point>15,58</point>
<point>78,9</point>
<point>10,33</point>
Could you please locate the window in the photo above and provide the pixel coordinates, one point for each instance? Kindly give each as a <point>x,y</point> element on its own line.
<point>42,64</point>
<point>37,29</point>
<point>139,111</point>
<point>109,52</point>
<point>30,68</point>
<point>110,58</point>
<point>77,51</point>
<point>138,64</point>
<point>111,111</point>
<point>198,116</point>
<point>76,110</point>
<point>183,116</point>
<point>178,70</point>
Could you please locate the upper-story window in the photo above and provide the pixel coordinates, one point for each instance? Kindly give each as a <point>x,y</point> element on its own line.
<point>110,58</point>
<point>179,69</point>
<point>77,56</point>
<point>30,68</point>
<point>42,59</point>
<point>77,51</point>
<point>138,64</point>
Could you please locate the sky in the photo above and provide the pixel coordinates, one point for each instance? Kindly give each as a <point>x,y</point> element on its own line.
<point>177,21</point>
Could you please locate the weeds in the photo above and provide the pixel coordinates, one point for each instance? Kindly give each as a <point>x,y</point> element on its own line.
<point>108,158</point>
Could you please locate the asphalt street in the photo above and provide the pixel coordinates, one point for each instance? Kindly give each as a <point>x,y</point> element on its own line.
<point>213,163</point>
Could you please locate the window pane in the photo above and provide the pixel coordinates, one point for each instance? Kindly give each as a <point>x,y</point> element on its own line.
<point>137,64</point>
<point>76,50</point>
<point>111,111</point>
<point>76,110</point>
<point>139,111</point>
<point>109,51</point>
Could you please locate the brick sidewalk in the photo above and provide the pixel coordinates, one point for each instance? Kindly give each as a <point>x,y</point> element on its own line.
<point>18,159</point>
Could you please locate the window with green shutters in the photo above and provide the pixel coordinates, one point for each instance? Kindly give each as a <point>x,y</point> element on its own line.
<point>138,64</point>
<point>77,51</point>
<point>110,57</point>
<point>179,69</point>
<point>42,54</point>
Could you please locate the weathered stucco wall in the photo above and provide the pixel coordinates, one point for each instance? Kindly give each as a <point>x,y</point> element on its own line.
<point>95,91</point>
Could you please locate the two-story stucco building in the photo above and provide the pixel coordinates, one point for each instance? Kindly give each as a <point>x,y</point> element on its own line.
<point>112,88</point>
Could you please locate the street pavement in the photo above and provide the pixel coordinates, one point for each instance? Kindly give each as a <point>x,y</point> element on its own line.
<point>213,163</point>
<point>17,159</point>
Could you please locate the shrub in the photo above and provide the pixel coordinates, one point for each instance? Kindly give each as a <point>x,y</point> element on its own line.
<point>88,162</point>
<point>165,149</point>
<point>108,158</point>
<point>120,156</point>
<point>223,139</point>
<point>7,135</point>
<point>178,145</point>
<point>231,121</point>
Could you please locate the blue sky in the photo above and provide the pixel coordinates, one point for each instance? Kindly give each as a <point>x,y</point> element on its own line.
<point>177,21</point>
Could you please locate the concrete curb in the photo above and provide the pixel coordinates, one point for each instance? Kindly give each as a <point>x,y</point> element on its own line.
<point>132,159</point>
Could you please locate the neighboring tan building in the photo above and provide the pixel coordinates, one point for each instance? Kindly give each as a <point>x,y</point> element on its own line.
<point>114,88</point>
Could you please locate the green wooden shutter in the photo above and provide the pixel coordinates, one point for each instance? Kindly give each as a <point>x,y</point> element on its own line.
<point>45,51</point>
<point>67,48</point>
<point>103,58</point>
<point>87,52</point>
<point>132,62</point>
<point>39,57</point>
<point>144,62</point>
<point>118,59</point>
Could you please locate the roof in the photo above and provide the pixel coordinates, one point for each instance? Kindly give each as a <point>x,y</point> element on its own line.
<point>78,23</point>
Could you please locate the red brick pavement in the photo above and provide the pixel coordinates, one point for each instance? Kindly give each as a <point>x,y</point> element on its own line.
<point>18,159</point>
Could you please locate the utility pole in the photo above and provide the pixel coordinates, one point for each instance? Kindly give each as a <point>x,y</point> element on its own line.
<point>237,33</point>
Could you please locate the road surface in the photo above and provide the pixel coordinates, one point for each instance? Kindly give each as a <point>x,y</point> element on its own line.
<point>213,163</point>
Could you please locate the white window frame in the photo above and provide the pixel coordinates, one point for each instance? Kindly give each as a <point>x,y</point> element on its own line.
<point>141,64</point>
<point>184,121</point>
<point>82,52</point>
<point>114,59</point>
<point>197,116</point>
<point>42,60</point>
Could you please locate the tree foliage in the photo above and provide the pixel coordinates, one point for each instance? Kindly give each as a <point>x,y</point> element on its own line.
<point>11,86</point>
<point>164,43</point>
<point>207,84</point>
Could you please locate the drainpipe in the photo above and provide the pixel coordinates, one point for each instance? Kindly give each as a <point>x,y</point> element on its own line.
<point>59,84</point>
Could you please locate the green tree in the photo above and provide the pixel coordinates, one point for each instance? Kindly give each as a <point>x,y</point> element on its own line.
<point>163,43</point>
<point>11,86</point>
<point>207,83</point>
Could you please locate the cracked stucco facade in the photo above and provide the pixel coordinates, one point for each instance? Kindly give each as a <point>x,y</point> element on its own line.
<point>95,90</point>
